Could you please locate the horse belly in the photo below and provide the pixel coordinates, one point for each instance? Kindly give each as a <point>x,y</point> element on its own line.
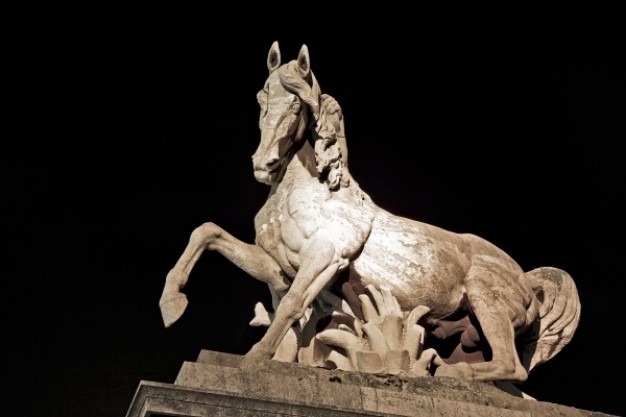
<point>418,268</point>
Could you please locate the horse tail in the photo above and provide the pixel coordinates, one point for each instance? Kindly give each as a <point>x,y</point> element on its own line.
<point>559,314</point>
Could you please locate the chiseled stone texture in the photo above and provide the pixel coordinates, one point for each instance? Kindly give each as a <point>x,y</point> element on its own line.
<point>215,385</point>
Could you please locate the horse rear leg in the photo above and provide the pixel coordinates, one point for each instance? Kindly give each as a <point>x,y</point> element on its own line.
<point>499,301</point>
<point>209,236</point>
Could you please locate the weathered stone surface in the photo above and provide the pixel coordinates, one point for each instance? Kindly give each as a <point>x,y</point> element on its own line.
<point>358,288</point>
<point>214,385</point>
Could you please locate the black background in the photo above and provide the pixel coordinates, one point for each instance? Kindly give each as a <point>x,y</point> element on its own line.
<point>127,127</point>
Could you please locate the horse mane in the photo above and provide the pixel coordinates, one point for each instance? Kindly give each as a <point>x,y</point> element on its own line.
<point>330,162</point>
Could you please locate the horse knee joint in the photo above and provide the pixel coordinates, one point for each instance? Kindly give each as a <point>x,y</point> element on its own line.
<point>343,263</point>
<point>293,302</point>
<point>206,232</point>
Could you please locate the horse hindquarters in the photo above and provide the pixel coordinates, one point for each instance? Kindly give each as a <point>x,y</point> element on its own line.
<point>559,314</point>
<point>502,301</point>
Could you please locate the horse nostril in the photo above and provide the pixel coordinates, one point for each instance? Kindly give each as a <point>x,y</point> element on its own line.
<point>272,163</point>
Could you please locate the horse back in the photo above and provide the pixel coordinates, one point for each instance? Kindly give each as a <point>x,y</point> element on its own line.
<point>422,264</point>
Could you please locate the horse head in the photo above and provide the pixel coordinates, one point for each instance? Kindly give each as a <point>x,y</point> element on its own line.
<point>288,101</point>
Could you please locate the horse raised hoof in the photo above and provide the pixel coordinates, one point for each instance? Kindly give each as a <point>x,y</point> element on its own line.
<point>172,307</point>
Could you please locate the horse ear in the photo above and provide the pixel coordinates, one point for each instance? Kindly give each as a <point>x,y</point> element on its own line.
<point>304,63</point>
<point>273,57</point>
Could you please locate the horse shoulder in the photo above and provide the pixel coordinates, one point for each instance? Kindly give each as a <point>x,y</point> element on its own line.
<point>303,208</point>
<point>338,217</point>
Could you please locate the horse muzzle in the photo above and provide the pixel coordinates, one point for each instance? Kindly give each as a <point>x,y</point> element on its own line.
<point>264,176</point>
<point>267,164</point>
<point>266,172</point>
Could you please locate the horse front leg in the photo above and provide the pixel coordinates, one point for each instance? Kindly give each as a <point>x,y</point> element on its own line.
<point>209,236</point>
<point>321,264</point>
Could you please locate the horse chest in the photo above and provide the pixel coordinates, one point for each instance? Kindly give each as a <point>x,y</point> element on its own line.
<point>299,213</point>
<point>270,223</point>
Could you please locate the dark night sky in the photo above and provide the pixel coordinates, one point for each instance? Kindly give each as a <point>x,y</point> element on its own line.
<point>127,128</point>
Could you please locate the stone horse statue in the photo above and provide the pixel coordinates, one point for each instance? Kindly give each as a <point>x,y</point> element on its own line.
<point>318,227</point>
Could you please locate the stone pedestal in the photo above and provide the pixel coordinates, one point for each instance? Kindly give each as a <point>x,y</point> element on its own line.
<point>214,385</point>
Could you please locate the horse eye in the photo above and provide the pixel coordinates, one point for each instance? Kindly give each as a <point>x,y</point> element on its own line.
<point>295,107</point>
<point>262,100</point>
